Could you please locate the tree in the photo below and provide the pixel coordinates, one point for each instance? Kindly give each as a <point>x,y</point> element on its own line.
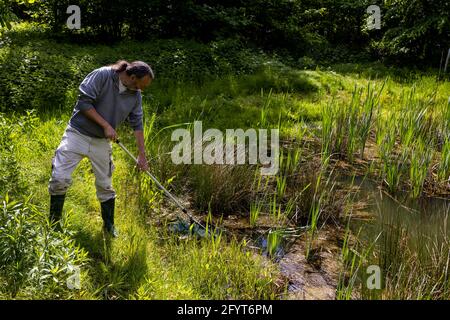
<point>415,30</point>
<point>6,14</point>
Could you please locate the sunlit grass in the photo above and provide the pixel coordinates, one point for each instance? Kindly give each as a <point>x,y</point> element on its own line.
<point>321,114</point>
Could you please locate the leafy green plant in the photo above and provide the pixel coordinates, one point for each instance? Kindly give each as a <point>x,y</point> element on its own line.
<point>6,14</point>
<point>11,176</point>
<point>255,210</point>
<point>35,261</point>
<point>274,238</point>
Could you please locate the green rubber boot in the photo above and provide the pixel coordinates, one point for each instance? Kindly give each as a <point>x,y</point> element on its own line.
<point>108,217</point>
<point>56,207</point>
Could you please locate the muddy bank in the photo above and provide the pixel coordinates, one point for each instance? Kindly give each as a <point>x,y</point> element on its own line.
<point>315,278</point>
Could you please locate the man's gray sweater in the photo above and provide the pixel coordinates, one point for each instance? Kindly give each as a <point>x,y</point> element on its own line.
<point>100,90</point>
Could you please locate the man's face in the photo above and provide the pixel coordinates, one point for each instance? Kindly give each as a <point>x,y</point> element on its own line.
<point>139,84</point>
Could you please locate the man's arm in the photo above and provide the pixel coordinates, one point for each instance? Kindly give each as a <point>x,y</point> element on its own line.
<point>110,133</point>
<point>142,160</point>
<point>93,115</point>
<point>89,90</point>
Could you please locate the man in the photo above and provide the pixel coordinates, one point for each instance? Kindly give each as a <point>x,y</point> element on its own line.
<point>107,97</point>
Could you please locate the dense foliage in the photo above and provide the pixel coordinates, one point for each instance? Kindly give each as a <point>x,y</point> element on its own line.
<point>411,31</point>
<point>36,74</point>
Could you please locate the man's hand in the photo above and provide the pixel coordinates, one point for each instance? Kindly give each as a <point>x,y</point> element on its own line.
<point>142,162</point>
<point>110,133</point>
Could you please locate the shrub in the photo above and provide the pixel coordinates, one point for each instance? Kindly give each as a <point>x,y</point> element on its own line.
<point>37,73</point>
<point>11,178</point>
<point>35,261</point>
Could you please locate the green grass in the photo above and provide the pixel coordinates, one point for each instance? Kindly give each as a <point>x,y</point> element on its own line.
<point>413,258</point>
<point>444,167</point>
<point>324,115</point>
<point>145,262</point>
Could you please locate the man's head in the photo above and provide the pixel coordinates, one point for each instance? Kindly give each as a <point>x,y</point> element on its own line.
<point>136,75</point>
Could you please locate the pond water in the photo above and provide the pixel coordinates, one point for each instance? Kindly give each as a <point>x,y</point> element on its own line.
<point>424,221</point>
<point>422,218</point>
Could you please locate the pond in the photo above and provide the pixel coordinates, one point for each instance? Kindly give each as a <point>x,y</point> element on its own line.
<point>422,218</point>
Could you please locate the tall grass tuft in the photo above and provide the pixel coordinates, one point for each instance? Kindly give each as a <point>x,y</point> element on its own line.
<point>274,238</point>
<point>225,188</point>
<point>393,161</point>
<point>316,208</point>
<point>347,126</point>
<point>444,165</point>
<point>221,269</point>
<point>419,166</point>
<point>255,210</point>
<point>415,259</point>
